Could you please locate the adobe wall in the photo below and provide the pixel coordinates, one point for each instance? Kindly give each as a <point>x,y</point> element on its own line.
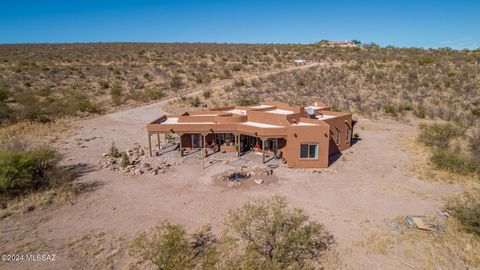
<point>339,124</point>
<point>307,134</point>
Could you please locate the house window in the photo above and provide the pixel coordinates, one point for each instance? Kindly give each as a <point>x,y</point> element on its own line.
<point>337,139</point>
<point>309,151</point>
<point>349,132</point>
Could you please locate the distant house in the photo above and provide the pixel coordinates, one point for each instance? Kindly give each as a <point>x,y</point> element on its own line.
<point>300,61</point>
<point>345,43</point>
<point>304,137</point>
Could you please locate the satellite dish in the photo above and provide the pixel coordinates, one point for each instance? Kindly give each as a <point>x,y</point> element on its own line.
<point>311,110</point>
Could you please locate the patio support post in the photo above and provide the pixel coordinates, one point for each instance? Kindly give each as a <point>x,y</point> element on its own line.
<point>238,144</point>
<point>263,149</point>
<point>204,152</point>
<point>181,149</point>
<point>150,143</point>
<point>158,138</point>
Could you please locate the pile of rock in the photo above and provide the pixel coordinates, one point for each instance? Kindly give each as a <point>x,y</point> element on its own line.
<point>234,177</point>
<point>138,163</point>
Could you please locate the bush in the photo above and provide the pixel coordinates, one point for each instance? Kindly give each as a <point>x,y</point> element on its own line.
<point>438,135</point>
<point>170,247</point>
<point>474,146</point>
<point>453,161</point>
<point>207,94</point>
<point>466,208</point>
<point>176,82</point>
<point>153,93</point>
<point>476,111</point>
<point>426,60</point>
<point>276,237</point>
<point>85,105</point>
<point>420,112</point>
<point>5,113</point>
<point>245,101</point>
<point>104,84</point>
<point>389,109</point>
<point>405,106</point>
<point>23,171</point>
<point>116,95</point>
<point>3,95</point>
<point>125,160</point>
<point>114,151</point>
<point>195,102</point>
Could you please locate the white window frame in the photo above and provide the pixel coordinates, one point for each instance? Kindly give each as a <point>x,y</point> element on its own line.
<point>337,138</point>
<point>308,151</point>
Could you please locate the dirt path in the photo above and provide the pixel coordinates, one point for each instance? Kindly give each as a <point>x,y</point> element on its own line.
<point>153,110</point>
<point>367,186</point>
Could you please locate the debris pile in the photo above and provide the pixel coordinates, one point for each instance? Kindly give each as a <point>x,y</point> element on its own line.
<point>135,163</point>
<point>432,223</point>
<point>234,177</point>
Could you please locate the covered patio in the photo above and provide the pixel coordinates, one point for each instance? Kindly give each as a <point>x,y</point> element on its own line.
<point>209,143</point>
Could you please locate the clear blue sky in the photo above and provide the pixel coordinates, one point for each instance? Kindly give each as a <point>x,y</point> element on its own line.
<point>426,23</point>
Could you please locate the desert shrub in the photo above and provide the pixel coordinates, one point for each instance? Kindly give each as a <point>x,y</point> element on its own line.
<point>438,135</point>
<point>3,94</point>
<point>405,106</point>
<point>114,151</point>
<point>277,237</point>
<point>420,111</point>
<point>148,76</point>
<point>153,93</point>
<point>474,146</point>
<point>116,94</point>
<point>425,60</point>
<point>104,84</point>
<point>239,82</point>
<point>170,247</point>
<point>31,109</point>
<point>125,161</point>
<point>236,67</point>
<point>207,94</point>
<point>246,101</point>
<point>195,102</point>
<point>453,161</point>
<point>466,208</point>
<point>176,82</point>
<point>476,111</point>
<point>84,104</point>
<point>5,113</point>
<point>226,73</point>
<point>389,108</point>
<point>28,170</point>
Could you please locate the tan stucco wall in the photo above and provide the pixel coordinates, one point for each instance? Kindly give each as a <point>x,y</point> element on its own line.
<point>307,134</point>
<point>339,124</point>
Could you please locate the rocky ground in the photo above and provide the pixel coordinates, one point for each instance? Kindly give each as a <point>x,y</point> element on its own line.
<point>137,163</point>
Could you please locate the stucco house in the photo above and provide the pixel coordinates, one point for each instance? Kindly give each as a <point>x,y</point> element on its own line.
<point>303,137</point>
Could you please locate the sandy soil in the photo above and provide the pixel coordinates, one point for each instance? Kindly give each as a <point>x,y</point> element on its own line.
<point>362,190</point>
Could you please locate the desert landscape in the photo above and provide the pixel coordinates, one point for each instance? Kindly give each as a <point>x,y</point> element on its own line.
<point>416,151</point>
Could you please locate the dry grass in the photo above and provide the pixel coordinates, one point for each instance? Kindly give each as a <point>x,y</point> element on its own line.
<point>42,199</point>
<point>421,167</point>
<point>37,133</point>
<point>98,250</point>
<point>453,249</point>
